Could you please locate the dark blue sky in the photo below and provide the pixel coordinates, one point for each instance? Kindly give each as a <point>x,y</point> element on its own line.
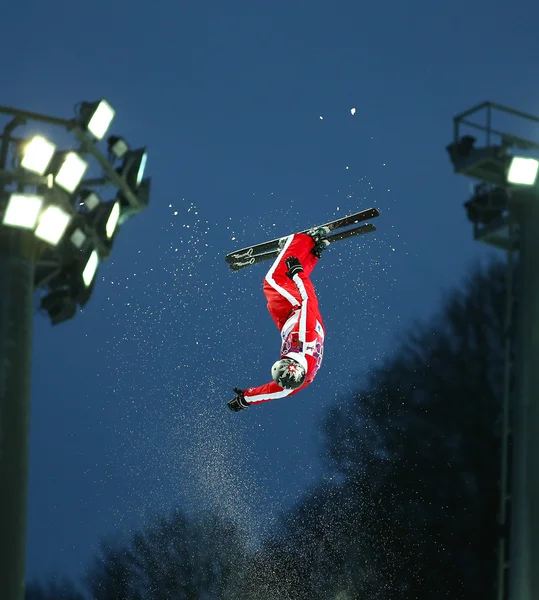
<point>128,413</point>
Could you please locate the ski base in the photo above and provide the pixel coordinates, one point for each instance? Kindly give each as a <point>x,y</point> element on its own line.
<point>271,246</point>
<point>272,254</point>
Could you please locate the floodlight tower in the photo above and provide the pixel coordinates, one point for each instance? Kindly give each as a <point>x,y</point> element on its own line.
<point>54,232</point>
<point>504,210</point>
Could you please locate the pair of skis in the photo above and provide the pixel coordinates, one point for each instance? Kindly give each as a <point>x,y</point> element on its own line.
<point>269,250</point>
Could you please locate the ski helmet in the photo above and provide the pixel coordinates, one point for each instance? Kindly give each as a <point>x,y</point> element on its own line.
<point>288,373</point>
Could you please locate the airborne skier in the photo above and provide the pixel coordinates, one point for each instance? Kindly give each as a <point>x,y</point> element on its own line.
<point>293,305</point>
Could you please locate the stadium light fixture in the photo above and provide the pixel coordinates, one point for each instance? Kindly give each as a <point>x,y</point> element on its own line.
<point>37,154</point>
<point>133,167</point>
<point>144,191</point>
<point>461,148</point>
<point>52,224</point>
<point>23,210</point>
<point>90,269</point>
<point>59,305</point>
<point>96,117</point>
<point>141,167</point>
<point>143,196</point>
<point>71,172</point>
<point>117,146</point>
<point>112,221</point>
<point>106,218</point>
<point>90,199</point>
<point>522,170</point>
<point>78,238</point>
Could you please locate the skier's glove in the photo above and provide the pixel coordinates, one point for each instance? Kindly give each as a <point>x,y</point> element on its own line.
<point>238,402</point>
<point>294,266</point>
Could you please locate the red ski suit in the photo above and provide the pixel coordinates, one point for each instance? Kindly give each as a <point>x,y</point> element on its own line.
<point>293,306</point>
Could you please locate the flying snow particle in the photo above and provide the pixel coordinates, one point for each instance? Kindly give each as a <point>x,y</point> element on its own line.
<point>353,111</point>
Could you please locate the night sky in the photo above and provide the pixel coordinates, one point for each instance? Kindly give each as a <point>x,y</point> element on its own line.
<point>129,416</point>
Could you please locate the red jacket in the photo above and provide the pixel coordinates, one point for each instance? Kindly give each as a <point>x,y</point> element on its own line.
<point>302,339</point>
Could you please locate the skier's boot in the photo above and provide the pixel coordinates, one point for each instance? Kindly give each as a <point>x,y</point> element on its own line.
<point>318,234</point>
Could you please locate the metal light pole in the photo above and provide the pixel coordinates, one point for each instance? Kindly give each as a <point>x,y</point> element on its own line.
<point>505,212</point>
<point>524,573</point>
<point>16,307</point>
<point>54,231</point>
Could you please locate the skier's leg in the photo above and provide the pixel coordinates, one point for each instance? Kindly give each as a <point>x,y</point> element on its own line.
<point>303,248</point>
<point>300,247</point>
<point>281,292</point>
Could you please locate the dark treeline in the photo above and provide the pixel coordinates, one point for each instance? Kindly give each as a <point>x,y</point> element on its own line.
<point>408,509</point>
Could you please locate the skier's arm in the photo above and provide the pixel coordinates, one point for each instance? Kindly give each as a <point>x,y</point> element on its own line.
<point>267,393</point>
<point>238,402</point>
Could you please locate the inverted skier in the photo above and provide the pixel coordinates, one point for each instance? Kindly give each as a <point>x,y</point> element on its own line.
<point>293,305</point>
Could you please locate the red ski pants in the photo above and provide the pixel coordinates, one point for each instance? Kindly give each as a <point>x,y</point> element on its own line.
<point>281,292</point>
